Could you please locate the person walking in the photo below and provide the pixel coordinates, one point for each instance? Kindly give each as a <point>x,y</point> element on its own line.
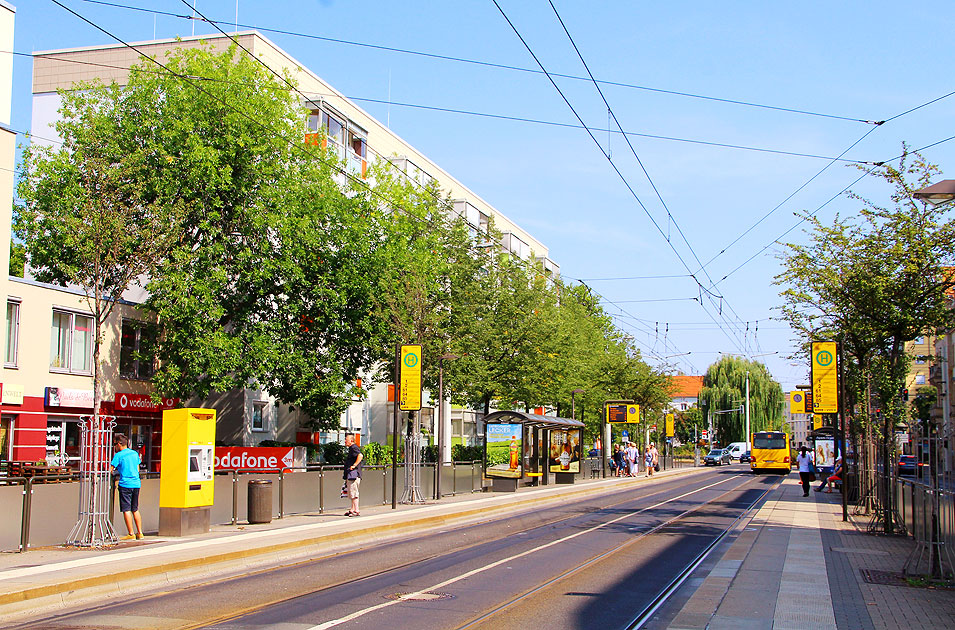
<point>648,460</point>
<point>125,463</point>
<point>352,473</point>
<point>827,481</point>
<point>806,476</point>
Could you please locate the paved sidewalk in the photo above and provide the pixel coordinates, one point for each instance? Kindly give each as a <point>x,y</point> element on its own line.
<point>796,565</point>
<point>52,578</point>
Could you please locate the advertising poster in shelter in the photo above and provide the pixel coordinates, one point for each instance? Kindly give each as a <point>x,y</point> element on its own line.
<point>564,452</point>
<point>502,451</point>
<point>825,455</point>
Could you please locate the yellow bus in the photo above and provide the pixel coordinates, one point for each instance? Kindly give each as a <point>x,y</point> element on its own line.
<point>770,452</point>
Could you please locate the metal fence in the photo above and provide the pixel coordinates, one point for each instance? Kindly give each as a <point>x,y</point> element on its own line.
<point>928,516</point>
<point>38,513</point>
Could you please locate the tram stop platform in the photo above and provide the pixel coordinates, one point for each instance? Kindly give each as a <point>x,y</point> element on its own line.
<point>797,565</point>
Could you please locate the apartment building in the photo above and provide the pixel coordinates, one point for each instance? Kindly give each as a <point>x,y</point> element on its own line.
<point>45,392</point>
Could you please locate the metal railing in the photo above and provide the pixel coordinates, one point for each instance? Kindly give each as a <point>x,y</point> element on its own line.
<point>928,515</point>
<point>313,489</point>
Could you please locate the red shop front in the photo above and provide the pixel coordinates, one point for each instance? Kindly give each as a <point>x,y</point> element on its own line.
<point>35,429</point>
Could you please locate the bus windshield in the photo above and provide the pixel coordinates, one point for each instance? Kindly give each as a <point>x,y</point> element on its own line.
<point>769,441</point>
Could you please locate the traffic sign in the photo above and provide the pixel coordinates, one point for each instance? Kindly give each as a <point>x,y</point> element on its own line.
<point>625,433</point>
<point>824,377</point>
<point>409,393</point>
<point>704,435</point>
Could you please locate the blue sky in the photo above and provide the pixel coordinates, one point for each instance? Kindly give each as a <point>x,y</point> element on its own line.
<point>856,60</point>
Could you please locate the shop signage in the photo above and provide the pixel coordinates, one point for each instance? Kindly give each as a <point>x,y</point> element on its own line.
<point>259,458</point>
<point>63,397</point>
<point>142,402</point>
<point>11,394</point>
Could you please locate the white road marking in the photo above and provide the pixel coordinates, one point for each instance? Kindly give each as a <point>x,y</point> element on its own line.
<point>359,613</point>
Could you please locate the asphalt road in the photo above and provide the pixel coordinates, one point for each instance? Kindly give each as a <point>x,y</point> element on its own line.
<point>595,563</point>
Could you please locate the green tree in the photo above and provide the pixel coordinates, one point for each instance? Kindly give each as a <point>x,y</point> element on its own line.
<point>724,388</point>
<point>90,215</point>
<point>875,281</point>
<point>689,423</point>
<point>18,258</point>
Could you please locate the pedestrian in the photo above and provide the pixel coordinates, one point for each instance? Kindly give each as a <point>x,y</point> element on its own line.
<point>615,458</point>
<point>806,476</point>
<point>352,472</point>
<point>125,463</point>
<point>828,481</point>
<point>648,460</point>
<point>656,457</point>
<point>632,454</point>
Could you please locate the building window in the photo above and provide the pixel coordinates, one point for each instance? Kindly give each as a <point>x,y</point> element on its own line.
<point>137,350</point>
<point>71,343</point>
<point>920,359</point>
<point>260,415</point>
<point>13,333</point>
<point>920,379</point>
<point>919,341</point>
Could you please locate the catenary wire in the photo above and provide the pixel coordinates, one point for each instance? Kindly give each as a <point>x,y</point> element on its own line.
<point>519,119</point>
<point>590,133</point>
<point>483,63</point>
<point>646,173</point>
<point>908,111</point>
<point>819,209</point>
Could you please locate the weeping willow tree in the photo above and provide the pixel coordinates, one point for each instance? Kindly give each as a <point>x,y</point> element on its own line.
<point>724,389</point>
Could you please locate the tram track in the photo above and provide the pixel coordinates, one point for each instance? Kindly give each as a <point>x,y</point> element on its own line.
<point>665,593</point>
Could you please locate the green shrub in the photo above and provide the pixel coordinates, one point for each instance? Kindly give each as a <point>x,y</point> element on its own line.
<point>376,454</point>
<point>333,453</point>
<point>462,453</point>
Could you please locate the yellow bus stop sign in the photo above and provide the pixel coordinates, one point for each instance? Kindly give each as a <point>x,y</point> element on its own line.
<point>409,392</point>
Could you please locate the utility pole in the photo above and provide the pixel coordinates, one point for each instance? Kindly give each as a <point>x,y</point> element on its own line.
<point>747,412</point>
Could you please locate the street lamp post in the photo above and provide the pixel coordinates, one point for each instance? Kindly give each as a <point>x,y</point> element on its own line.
<point>442,435</point>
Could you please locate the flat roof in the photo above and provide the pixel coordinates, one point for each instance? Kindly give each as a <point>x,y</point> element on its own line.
<point>533,419</point>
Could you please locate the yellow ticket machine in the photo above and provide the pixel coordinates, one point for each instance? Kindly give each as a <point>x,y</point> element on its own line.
<point>185,477</point>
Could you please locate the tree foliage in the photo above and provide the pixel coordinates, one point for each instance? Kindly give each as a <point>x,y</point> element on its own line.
<point>267,266</point>
<point>724,389</point>
<point>93,215</point>
<point>874,281</point>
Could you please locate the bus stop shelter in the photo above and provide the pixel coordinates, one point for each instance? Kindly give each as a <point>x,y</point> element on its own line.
<point>526,449</point>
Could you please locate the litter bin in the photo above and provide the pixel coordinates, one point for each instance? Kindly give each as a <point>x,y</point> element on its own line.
<point>260,501</point>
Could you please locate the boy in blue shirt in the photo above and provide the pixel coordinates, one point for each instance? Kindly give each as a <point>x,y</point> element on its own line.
<point>125,463</point>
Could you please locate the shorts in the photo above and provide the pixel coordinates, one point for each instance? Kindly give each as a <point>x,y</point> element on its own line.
<point>352,485</point>
<point>128,499</point>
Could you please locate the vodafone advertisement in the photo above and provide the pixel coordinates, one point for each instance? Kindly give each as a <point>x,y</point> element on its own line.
<point>259,458</point>
<point>142,402</point>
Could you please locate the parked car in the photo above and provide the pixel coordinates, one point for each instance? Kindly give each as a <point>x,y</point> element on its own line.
<point>907,464</point>
<point>717,457</point>
<point>746,457</point>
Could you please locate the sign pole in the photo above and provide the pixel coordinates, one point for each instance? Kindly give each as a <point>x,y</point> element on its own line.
<point>394,433</point>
